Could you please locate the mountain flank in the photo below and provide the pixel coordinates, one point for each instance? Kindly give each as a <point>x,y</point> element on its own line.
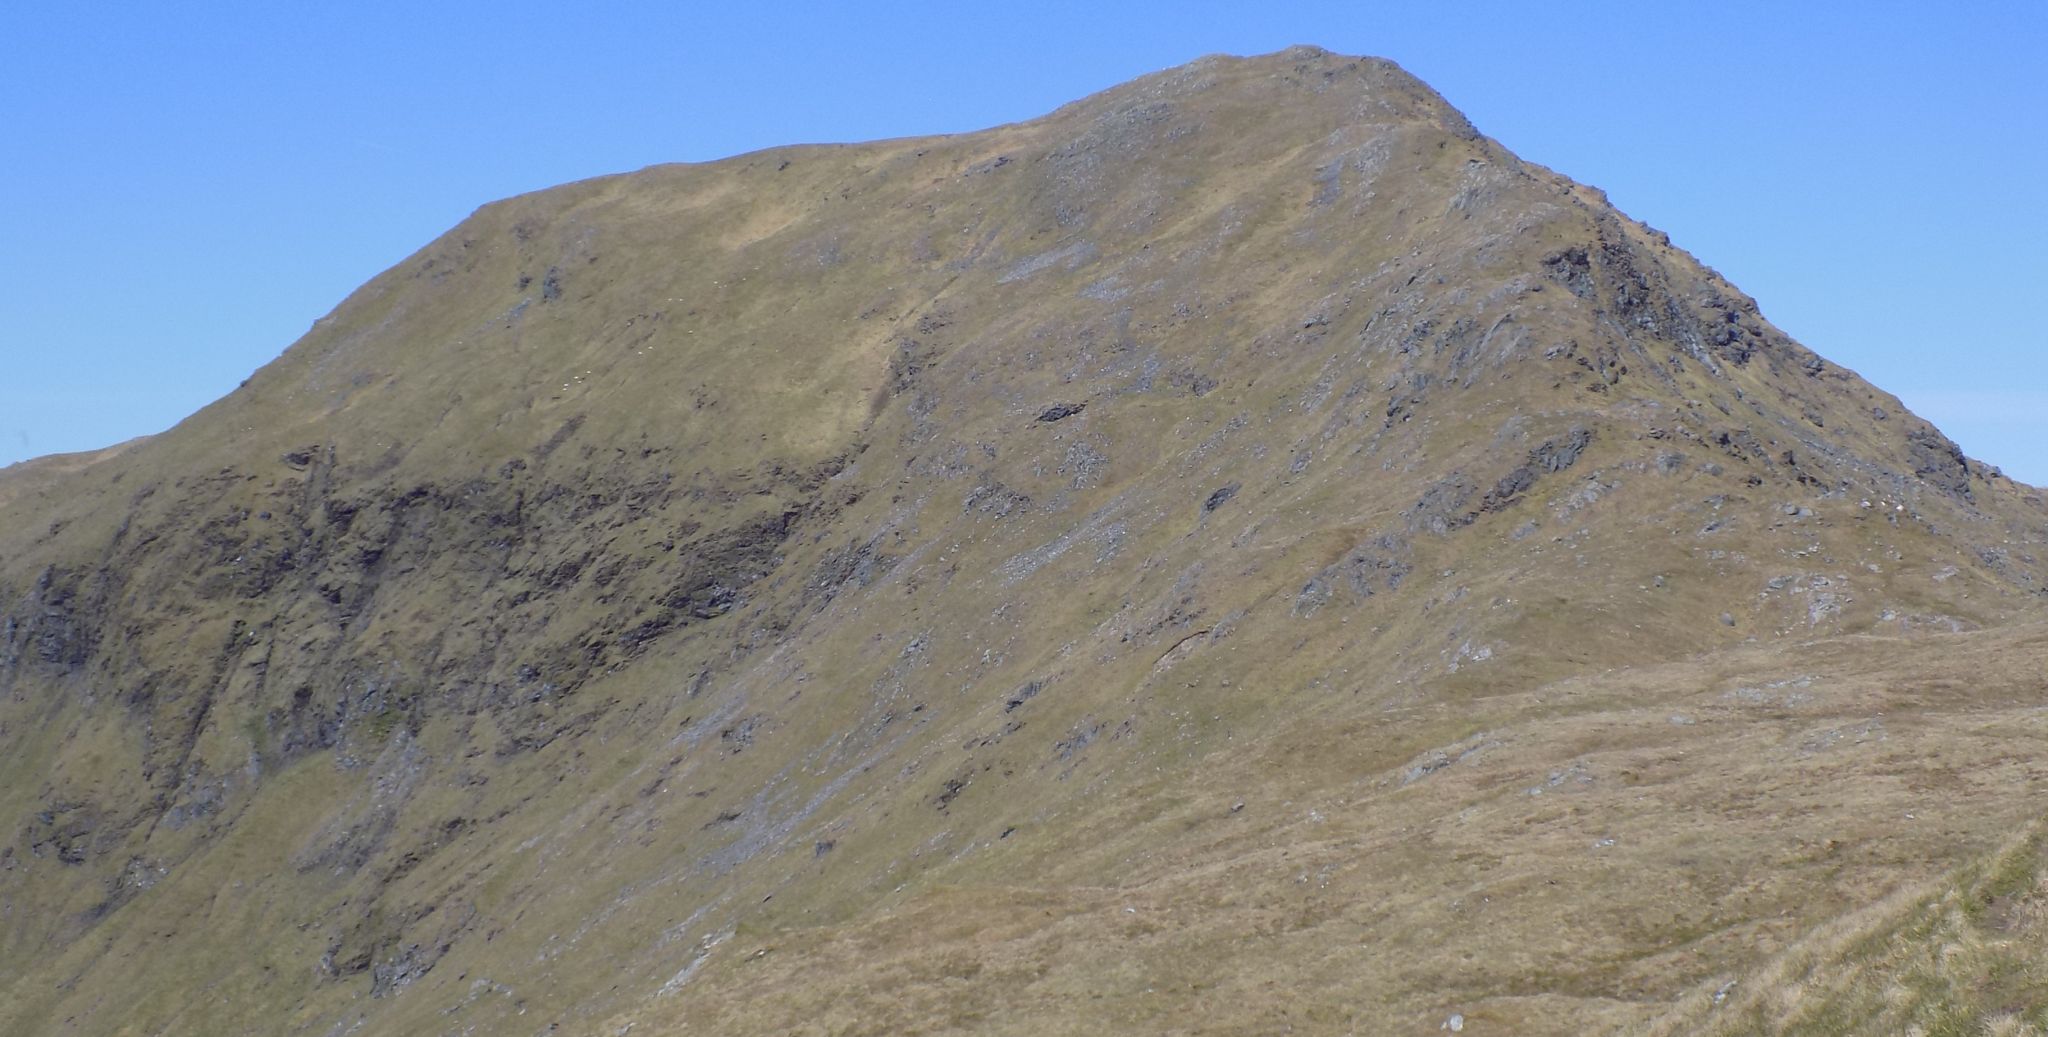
<point>1241,552</point>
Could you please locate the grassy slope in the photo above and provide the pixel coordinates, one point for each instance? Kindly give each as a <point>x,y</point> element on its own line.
<point>1958,955</point>
<point>1685,830</point>
<point>621,612</point>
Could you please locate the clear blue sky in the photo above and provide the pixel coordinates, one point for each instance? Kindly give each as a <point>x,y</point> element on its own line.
<point>186,187</point>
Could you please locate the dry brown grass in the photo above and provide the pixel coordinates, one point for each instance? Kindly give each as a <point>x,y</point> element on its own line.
<point>1964,954</point>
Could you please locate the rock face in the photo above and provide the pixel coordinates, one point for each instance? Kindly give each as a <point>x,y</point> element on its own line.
<point>1005,582</point>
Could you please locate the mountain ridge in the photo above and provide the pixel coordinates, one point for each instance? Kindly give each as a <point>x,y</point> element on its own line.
<point>740,559</point>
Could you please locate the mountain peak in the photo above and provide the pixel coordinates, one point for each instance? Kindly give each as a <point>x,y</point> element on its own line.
<point>1145,563</point>
<point>1301,85</point>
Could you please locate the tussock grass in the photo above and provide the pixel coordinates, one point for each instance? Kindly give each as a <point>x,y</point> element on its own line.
<point>1963,956</point>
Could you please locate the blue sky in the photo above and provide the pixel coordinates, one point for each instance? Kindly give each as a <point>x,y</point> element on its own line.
<point>187,187</point>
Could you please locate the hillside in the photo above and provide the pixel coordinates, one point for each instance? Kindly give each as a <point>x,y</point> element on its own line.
<point>1243,551</point>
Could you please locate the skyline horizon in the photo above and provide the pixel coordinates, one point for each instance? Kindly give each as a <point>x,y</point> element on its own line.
<point>1791,234</point>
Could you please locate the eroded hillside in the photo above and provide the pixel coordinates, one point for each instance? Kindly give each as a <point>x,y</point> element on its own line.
<point>1241,550</point>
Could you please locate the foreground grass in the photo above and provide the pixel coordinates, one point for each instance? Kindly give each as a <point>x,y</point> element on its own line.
<point>1967,955</point>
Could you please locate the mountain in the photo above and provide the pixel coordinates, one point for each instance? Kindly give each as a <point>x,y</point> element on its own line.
<point>1241,553</point>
